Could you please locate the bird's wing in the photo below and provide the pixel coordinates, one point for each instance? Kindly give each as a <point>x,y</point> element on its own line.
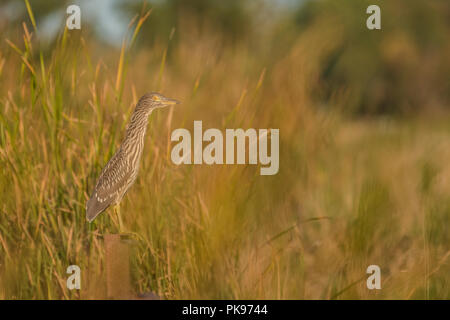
<point>113,178</point>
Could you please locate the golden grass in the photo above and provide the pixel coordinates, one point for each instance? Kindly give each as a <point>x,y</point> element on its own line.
<point>348,194</point>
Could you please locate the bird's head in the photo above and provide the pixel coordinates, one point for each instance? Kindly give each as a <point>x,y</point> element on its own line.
<point>155,100</point>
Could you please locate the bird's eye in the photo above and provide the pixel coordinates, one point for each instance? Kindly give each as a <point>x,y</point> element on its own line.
<point>156,98</point>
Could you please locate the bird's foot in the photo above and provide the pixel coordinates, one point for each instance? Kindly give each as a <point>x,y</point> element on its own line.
<point>129,235</point>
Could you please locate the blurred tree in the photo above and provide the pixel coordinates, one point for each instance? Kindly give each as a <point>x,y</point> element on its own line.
<point>16,10</point>
<point>230,18</point>
<point>401,68</point>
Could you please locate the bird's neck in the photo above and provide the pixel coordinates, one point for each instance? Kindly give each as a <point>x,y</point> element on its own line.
<point>137,126</point>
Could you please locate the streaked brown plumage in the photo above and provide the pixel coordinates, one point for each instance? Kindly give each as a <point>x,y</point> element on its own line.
<point>121,170</point>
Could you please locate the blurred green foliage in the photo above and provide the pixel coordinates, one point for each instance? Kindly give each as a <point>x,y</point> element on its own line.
<point>230,18</point>
<point>402,68</point>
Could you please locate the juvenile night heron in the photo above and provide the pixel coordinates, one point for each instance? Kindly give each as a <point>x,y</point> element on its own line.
<point>121,170</point>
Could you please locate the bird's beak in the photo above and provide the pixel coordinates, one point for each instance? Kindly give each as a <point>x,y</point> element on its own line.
<point>169,102</point>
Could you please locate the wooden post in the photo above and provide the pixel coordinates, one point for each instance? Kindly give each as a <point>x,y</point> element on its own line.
<point>117,261</point>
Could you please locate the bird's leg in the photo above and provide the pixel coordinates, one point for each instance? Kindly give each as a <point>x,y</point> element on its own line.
<point>122,232</point>
<point>115,218</point>
<point>119,218</point>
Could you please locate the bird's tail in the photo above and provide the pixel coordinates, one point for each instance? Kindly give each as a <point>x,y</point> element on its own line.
<point>95,207</point>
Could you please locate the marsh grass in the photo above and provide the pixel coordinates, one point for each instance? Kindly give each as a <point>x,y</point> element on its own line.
<point>348,193</point>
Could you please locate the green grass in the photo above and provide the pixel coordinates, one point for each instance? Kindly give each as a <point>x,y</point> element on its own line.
<point>348,194</point>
